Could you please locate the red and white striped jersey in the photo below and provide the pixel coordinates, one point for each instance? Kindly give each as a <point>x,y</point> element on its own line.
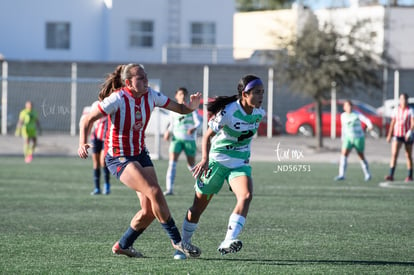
<point>100,128</point>
<point>127,119</point>
<point>402,121</point>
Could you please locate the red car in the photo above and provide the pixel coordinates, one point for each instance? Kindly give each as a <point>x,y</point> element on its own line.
<point>302,121</point>
<point>262,130</point>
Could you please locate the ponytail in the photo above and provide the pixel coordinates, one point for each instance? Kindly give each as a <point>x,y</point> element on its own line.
<point>245,84</point>
<point>112,83</point>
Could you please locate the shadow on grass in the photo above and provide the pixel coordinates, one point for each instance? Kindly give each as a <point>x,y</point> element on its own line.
<point>315,262</point>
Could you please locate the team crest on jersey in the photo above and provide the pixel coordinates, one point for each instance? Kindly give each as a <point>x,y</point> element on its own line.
<point>138,115</point>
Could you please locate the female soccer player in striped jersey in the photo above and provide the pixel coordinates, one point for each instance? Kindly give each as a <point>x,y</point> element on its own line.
<point>225,156</point>
<point>401,131</point>
<point>128,110</point>
<point>353,136</point>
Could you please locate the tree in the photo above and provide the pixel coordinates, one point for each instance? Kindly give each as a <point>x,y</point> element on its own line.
<point>260,5</point>
<point>320,56</point>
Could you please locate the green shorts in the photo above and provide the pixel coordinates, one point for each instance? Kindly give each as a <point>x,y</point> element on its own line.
<point>29,132</point>
<point>178,145</point>
<point>212,180</point>
<point>357,143</point>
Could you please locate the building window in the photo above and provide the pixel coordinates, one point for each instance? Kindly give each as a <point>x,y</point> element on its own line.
<point>141,34</point>
<point>203,33</point>
<point>58,35</point>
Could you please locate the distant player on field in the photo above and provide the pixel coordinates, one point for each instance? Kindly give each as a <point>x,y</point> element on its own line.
<point>401,132</point>
<point>225,157</point>
<point>183,129</point>
<point>27,126</point>
<point>353,136</point>
<point>97,137</point>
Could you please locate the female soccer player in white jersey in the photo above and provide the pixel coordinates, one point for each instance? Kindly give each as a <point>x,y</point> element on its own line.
<point>353,136</point>
<point>128,110</point>
<point>225,156</point>
<point>401,132</point>
<point>183,129</point>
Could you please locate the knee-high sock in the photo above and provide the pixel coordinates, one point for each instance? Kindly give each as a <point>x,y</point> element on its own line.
<point>235,226</point>
<point>106,174</point>
<point>129,237</point>
<point>343,162</point>
<point>188,230</point>
<point>96,177</point>
<point>172,231</point>
<point>170,177</point>
<point>365,167</point>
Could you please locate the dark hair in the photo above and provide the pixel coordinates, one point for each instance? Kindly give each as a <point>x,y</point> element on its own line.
<point>112,83</point>
<point>349,102</point>
<point>405,96</point>
<point>184,89</point>
<point>220,102</point>
<point>115,80</point>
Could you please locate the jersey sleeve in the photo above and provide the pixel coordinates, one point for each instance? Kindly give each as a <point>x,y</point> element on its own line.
<point>365,120</point>
<point>110,104</point>
<point>160,99</point>
<point>217,122</point>
<point>196,118</point>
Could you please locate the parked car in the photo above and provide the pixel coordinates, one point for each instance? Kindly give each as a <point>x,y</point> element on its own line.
<point>277,126</point>
<point>302,121</point>
<point>389,106</point>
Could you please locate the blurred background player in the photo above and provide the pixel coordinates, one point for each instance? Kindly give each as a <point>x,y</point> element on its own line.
<point>97,137</point>
<point>353,136</point>
<point>183,129</point>
<point>399,133</point>
<point>27,127</point>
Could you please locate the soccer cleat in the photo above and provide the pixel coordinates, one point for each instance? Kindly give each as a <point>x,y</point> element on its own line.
<point>389,178</point>
<point>168,193</point>
<point>96,191</point>
<point>408,179</point>
<point>107,189</point>
<point>130,251</point>
<point>339,178</point>
<point>230,246</point>
<point>178,255</point>
<point>367,177</point>
<point>28,159</point>
<point>188,249</point>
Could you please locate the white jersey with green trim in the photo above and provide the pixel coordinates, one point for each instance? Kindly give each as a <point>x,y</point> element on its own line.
<point>181,123</point>
<point>351,124</point>
<point>234,130</point>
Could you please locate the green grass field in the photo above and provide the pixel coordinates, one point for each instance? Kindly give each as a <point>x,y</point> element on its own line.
<point>299,223</point>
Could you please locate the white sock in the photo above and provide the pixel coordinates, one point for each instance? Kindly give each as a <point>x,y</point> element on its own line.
<point>365,168</point>
<point>188,230</point>
<point>342,165</point>
<point>169,178</point>
<point>236,223</point>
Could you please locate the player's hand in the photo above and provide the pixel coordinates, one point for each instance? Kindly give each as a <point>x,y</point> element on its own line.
<point>83,150</point>
<point>194,101</point>
<point>408,135</point>
<point>199,168</point>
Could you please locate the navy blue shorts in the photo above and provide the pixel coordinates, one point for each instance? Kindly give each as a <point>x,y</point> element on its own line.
<point>97,145</point>
<point>402,140</point>
<point>116,165</point>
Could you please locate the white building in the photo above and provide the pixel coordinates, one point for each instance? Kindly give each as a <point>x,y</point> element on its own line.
<point>116,30</point>
<point>390,28</point>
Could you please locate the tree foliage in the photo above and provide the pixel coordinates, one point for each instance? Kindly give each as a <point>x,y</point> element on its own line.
<point>260,5</point>
<point>320,56</point>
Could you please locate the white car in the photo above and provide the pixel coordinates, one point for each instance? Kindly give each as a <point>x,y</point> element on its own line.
<point>389,106</point>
